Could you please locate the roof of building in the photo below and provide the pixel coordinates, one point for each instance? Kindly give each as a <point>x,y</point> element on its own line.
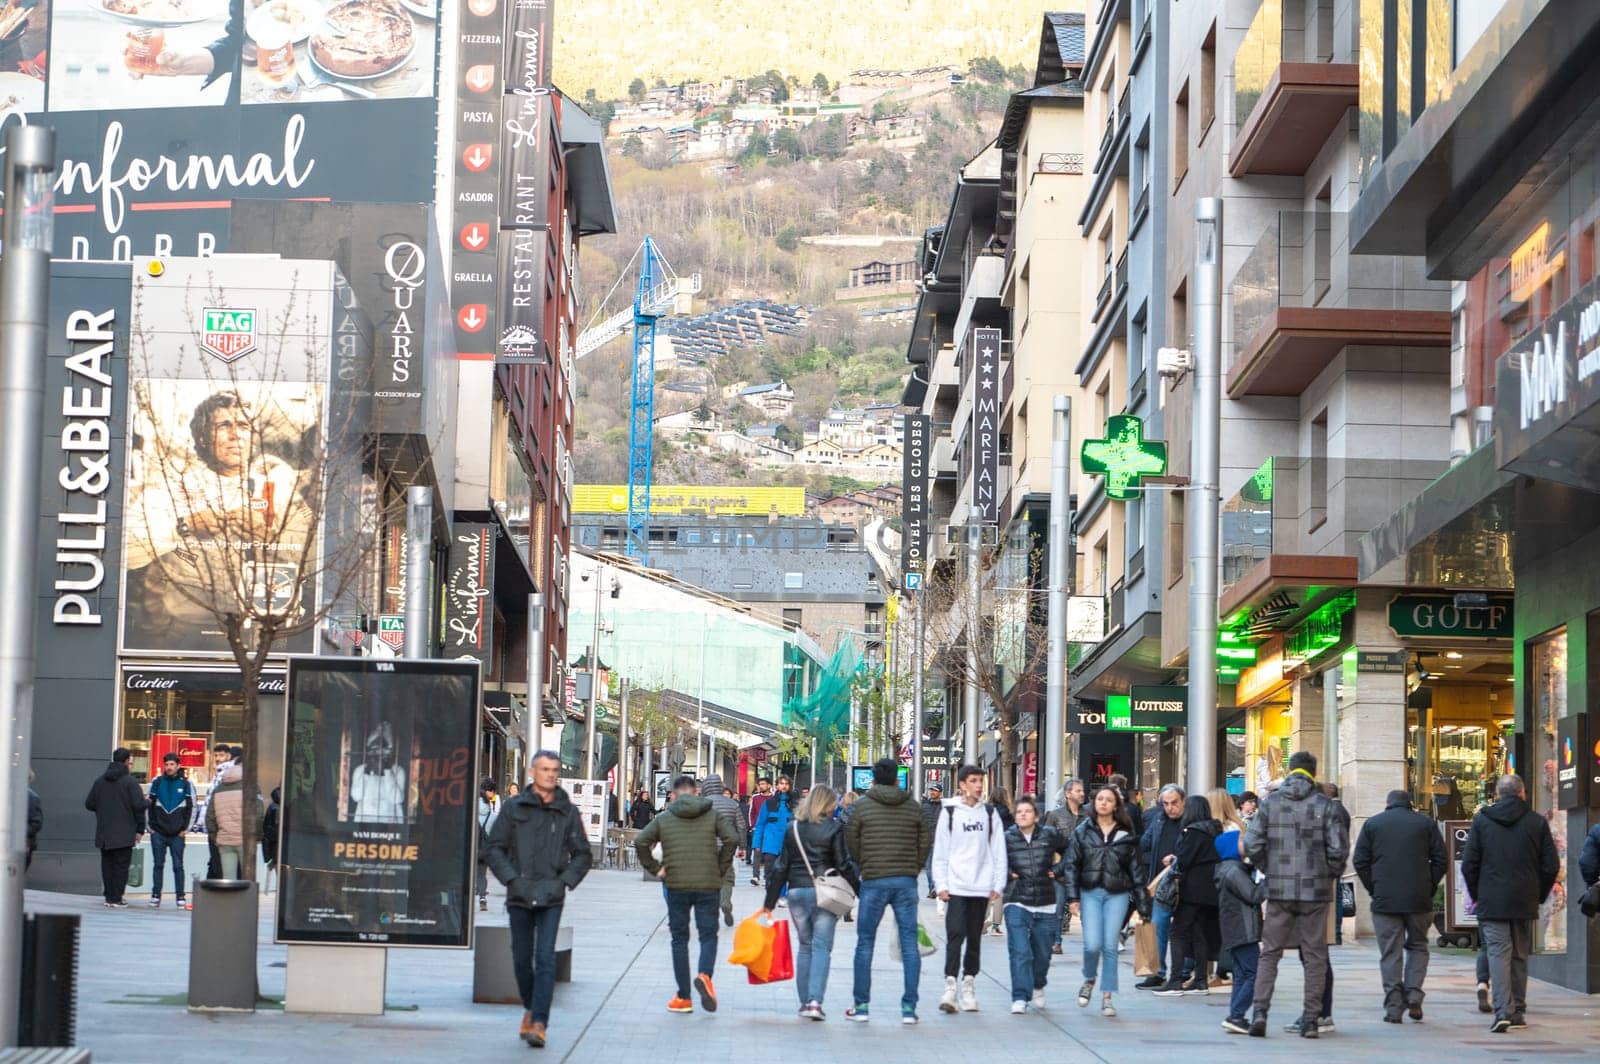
<point>1061,45</point>
<point>761,389</point>
<point>588,173</point>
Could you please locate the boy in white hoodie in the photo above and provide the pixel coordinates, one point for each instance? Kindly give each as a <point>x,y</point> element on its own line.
<point>969,870</point>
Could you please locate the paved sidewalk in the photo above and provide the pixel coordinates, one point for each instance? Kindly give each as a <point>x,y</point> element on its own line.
<point>134,966</point>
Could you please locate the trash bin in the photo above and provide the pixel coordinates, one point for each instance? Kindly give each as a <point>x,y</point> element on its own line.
<point>47,1015</point>
<point>222,946</point>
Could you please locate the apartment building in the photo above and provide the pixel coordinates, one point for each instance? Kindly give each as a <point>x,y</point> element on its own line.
<point>1507,538</point>
<point>1336,387</point>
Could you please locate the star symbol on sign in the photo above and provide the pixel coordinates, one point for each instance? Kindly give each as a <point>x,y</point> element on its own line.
<point>1124,457</point>
<point>988,369</point>
<point>988,352</point>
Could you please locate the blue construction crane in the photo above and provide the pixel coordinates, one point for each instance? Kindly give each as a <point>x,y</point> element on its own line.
<point>654,298</point>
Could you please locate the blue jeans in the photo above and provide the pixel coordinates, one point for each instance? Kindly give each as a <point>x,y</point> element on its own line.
<point>1102,914</point>
<point>899,893</point>
<point>1061,910</point>
<point>1029,936</point>
<point>160,846</point>
<point>813,926</point>
<point>1245,959</point>
<point>1161,916</point>
<point>533,956</point>
<point>704,904</point>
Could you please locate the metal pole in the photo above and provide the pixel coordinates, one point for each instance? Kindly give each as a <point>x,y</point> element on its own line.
<point>1055,704</point>
<point>419,560</point>
<point>1205,475</point>
<point>855,727</point>
<point>700,712</point>
<point>534,740</point>
<point>916,700</point>
<point>24,305</point>
<point>594,680</point>
<point>622,748</point>
<point>970,701</point>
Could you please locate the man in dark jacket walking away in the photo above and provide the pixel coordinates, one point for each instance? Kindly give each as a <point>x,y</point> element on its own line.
<point>1509,865</point>
<point>1064,820</point>
<point>697,848</point>
<point>171,809</point>
<point>1400,859</point>
<point>727,809</point>
<point>1297,840</point>
<point>931,805</point>
<point>118,804</point>
<point>538,849</point>
<point>889,842</point>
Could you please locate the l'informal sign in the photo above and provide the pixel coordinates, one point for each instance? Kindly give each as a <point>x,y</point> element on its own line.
<point>1422,616</point>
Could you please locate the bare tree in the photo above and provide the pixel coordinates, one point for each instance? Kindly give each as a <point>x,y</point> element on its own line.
<point>1007,625</point>
<point>254,488</point>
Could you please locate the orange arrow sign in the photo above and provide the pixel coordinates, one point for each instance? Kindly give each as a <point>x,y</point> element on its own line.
<point>473,316</point>
<point>480,78</point>
<point>477,157</point>
<point>475,236</point>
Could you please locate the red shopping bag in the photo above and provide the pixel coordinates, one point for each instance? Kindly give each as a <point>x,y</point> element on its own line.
<point>782,966</point>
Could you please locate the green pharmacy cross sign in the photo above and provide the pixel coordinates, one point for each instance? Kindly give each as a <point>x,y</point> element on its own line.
<point>1124,457</point>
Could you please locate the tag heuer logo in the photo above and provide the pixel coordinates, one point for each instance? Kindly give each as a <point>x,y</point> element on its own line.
<point>392,630</point>
<point>227,333</point>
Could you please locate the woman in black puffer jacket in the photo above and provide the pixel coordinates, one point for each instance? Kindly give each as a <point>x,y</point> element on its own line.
<point>1032,853</point>
<point>1195,931</point>
<point>1103,875</point>
<point>813,838</point>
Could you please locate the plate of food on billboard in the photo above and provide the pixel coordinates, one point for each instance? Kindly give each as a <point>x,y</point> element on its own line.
<point>24,44</point>
<point>303,51</point>
<point>142,53</point>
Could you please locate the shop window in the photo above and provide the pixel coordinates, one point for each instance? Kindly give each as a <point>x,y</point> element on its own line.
<point>1208,81</point>
<point>1548,704</point>
<point>1180,136</point>
<point>1317,503</point>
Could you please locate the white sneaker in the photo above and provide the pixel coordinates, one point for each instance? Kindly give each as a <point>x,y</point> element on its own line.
<point>969,995</point>
<point>1038,999</point>
<point>1018,1008</point>
<point>947,1000</point>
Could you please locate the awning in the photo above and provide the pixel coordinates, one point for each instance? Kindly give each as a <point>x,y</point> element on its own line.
<point>747,730</point>
<point>1131,656</point>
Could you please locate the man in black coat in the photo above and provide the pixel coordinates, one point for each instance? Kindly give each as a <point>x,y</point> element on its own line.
<point>930,816</point>
<point>118,804</point>
<point>1510,865</point>
<point>1400,859</point>
<point>538,849</point>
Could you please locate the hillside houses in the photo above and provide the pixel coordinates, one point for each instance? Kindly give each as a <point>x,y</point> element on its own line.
<point>775,399</point>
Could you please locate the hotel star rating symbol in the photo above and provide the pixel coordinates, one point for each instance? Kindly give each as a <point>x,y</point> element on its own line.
<point>1124,457</point>
<point>986,371</point>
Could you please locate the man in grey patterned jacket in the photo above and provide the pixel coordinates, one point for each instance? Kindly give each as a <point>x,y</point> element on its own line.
<point>1300,843</point>
<point>731,811</point>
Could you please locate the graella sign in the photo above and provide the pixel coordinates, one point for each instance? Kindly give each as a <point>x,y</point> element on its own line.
<point>85,473</point>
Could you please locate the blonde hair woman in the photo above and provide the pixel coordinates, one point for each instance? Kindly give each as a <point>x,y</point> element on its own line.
<point>1224,810</point>
<point>1269,770</point>
<point>813,844</point>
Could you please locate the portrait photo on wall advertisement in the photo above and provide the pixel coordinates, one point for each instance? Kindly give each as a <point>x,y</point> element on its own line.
<point>379,798</point>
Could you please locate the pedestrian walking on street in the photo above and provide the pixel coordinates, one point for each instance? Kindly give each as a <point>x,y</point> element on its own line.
<point>712,787</point>
<point>1589,859</point>
<point>1298,841</point>
<point>221,755</point>
<point>752,856</point>
<point>118,804</point>
<point>270,823</point>
<point>969,871</point>
<point>226,809</point>
<point>538,849</point>
<point>171,810</point>
<point>35,821</point>
<point>488,813</point>
<point>1509,865</point>
<point>930,815</point>
<point>889,842</point>
<point>1194,931</point>
<point>697,848</point>
<point>813,847</point>
<point>1033,858</point>
<point>641,810</point>
<point>1064,819</point>
<point>772,823</point>
<point>1163,824</point>
<point>1400,859</point>
<point>1232,824</point>
<point>1104,874</point>
<point>1001,801</point>
<point>1239,897</point>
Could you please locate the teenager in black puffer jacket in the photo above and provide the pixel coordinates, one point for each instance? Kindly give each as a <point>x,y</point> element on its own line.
<point>1033,853</point>
<point>1103,874</point>
<point>1195,932</point>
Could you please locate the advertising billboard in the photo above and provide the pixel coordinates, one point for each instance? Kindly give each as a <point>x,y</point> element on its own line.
<point>722,500</point>
<point>379,831</point>
<point>469,593</point>
<point>989,401</point>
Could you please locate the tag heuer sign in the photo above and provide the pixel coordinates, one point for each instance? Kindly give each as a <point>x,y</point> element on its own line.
<point>227,333</point>
<point>392,630</point>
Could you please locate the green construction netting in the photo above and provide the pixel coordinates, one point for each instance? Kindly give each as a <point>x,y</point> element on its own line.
<point>817,697</point>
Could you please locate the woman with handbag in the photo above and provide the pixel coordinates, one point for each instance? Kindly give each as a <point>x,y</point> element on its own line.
<point>1195,930</point>
<point>815,866</point>
<point>1103,875</point>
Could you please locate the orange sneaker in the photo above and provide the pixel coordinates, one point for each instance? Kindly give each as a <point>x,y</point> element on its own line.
<point>525,1032</point>
<point>708,993</point>
<point>680,1004</point>
<point>536,1038</point>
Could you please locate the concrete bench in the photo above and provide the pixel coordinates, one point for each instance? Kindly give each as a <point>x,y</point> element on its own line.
<point>44,1056</point>
<point>494,981</point>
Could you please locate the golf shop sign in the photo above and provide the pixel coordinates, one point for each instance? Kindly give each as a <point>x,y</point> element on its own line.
<point>1423,616</point>
<point>227,333</point>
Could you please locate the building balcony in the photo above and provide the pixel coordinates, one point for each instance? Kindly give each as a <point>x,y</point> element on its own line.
<point>1297,305</point>
<point>946,462</point>
<point>1112,158</point>
<point>1291,95</point>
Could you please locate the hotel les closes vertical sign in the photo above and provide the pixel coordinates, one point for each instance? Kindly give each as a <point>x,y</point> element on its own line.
<point>914,501</point>
<point>987,400</point>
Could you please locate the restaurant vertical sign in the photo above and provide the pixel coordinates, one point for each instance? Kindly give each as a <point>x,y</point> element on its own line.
<point>469,594</point>
<point>527,131</point>
<point>475,213</point>
<point>986,405</point>
<point>914,497</point>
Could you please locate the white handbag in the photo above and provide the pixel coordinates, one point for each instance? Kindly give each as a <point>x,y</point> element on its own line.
<point>834,892</point>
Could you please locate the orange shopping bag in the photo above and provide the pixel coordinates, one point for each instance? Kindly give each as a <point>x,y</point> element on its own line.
<point>752,946</point>
<point>781,958</point>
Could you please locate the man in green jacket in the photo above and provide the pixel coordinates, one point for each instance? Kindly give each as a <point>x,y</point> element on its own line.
<point>697,848</point>
<point>889,842</point>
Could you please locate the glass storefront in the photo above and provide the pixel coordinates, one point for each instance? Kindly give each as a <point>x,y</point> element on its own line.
<point>190,711</point>
<point>1547,691</point>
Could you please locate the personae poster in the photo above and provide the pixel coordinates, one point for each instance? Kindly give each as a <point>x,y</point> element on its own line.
<point>592,799</point>
<point>378,834</point>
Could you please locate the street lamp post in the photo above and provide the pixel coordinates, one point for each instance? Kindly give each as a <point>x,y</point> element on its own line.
<point>1205,502</point>
<point>1055,709</point>
<point>594,678</point>
<point>419,548</point>
<point>533,740</point>
<point>24,301</point>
